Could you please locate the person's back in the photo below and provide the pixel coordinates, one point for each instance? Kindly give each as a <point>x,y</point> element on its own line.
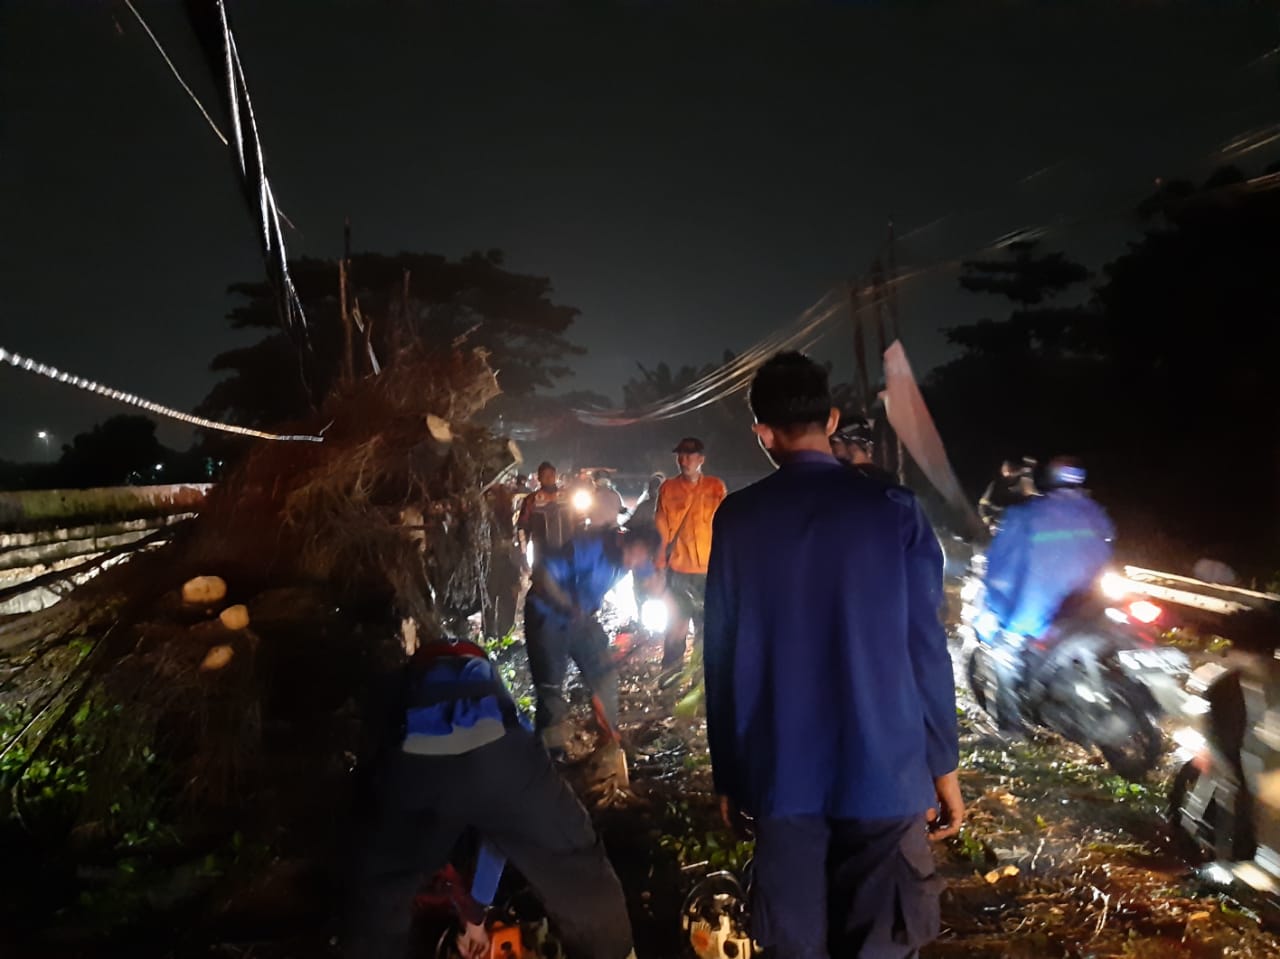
<point>1049,548</point>
<point>830,696</point>
<point>822,561</point>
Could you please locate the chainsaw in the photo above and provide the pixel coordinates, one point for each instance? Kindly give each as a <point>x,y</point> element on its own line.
<point>716,918</point>
<point>515,931</point>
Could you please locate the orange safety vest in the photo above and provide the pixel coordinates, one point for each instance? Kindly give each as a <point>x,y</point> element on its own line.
<point>683,518</point>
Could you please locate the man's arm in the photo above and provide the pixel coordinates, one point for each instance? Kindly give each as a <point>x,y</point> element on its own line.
<point>719,635</point>
<point>719,492</point>
<point>662,520</point>
<point>1005,560</point>
<point>931,663</point>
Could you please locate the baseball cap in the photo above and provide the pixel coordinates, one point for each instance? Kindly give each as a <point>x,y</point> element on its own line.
<point>690,444</point>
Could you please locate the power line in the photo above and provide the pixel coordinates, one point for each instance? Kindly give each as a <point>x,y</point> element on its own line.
<point>120,396</point>
<point>217,131</point>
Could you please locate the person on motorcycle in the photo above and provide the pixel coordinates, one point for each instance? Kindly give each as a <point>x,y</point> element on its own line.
<point>644,513</point>
<point>606,504</point>
<point>1047,549</point>
<point>686,505</point>
<point>462,758</point>
<point>1014,485</point>
<point>560,621</point>
<point>853,443</point>
<point>546,521</point>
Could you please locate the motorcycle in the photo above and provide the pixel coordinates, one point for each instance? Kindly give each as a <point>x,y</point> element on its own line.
<point>1224,801</point>
<point>1099,677</point>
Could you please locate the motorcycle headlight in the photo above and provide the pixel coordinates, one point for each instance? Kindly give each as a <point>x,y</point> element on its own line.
<point>1114,586</point>
<point>582,500</point>
<point>653,615</point>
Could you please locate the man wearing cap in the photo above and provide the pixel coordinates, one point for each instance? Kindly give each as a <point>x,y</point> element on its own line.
<point>686,505</point>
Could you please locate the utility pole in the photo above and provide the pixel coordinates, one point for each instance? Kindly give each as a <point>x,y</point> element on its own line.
<point>859,344</point>
<point>896,331</point>
<point>879,305</point>
<point>348,356</point>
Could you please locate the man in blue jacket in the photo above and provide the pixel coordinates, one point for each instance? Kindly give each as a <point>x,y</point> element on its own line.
<point>830,700</point>
<point>1048,548</point>
<point>560,622</point>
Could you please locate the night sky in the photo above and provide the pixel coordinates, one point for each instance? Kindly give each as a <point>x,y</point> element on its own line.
<point>690,175</point>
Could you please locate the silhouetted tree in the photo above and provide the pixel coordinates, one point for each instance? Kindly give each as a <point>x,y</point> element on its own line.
<point>1164,380</point>
<point>112,453</point>
<point>401,298</point>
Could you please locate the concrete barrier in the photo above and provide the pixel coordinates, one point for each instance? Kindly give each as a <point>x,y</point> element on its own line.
<point>53,540</point>
<point>36,509</point>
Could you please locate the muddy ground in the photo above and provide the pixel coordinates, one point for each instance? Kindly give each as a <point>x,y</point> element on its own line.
<point>1059,858</point>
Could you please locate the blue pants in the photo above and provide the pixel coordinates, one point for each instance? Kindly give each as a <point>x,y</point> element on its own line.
<point>844,888</point>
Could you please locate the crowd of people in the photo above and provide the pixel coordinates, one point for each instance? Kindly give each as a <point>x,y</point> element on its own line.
<point>815,601</point>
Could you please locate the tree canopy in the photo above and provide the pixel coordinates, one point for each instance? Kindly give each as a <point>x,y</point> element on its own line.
<point>401,299</point>
<point>1162,378</point>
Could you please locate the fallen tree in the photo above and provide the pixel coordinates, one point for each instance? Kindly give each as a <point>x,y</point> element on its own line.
<point>172,744</point>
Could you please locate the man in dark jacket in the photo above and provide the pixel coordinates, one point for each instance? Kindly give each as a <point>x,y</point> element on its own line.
<point>830,697</point>
<point>463,759</point>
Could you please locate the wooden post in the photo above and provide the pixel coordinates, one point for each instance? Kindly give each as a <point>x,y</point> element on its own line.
<point>859,345</point>
<point>348,359</point>
<point>888,461</point>
<point>404,299</point>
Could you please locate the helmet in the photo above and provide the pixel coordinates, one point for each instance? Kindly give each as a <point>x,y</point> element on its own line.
<point>854,431</point>
<point>1065,471</point>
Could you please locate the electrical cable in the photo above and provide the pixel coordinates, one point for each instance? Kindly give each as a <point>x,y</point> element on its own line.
<point>120,396</point>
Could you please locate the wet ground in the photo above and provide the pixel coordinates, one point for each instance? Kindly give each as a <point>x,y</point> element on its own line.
<point>1059,857</point>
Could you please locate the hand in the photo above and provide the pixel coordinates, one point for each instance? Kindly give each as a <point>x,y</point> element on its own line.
<point>473,941</point>
<point>945,819</point>
<point>735,820</point>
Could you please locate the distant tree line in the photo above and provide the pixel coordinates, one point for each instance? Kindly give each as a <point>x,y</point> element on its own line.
<point>121,451</point>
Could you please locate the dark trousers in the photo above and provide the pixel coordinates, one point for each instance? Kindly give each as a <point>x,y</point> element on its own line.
<point>551,643</point>
<point>844,889</point>
<point>504,592</point>
<point>509,792</point>
<point>689,599</point>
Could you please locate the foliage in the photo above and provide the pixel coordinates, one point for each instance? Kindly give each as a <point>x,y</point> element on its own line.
<point>1172,355</point>
<point>119,451</point>
<point>406,298</point>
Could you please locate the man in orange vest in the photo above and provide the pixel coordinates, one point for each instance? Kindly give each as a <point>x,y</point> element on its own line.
<point>686,505</point>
